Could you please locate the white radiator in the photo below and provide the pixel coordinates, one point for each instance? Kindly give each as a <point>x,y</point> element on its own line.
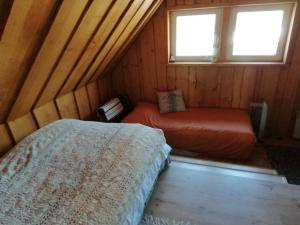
<point>296,133</point>
<point>259,113</point>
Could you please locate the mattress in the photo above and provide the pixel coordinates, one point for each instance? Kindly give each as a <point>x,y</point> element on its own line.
<point>76,172</point>
<point>225,133</point>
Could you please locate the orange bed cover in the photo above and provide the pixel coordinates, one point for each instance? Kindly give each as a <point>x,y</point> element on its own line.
<point>215,132</point>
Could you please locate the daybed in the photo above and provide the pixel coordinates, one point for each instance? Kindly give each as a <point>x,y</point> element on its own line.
<point>225,133</point>
<point>76,172</point>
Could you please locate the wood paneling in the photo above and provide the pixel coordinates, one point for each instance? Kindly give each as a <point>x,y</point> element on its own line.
<point>107,54</point>
<point>94,59</point>
<point>93,94</point>
<point>105,88</point>
<point>5,141</point>
<point>52,48</point>
<point>118,49</point>
<point>22,127</point>
<point>83,103</point>
<point>5,7</point>
<point>67,106</point>
<point>77,48</point>
<point>25,28</point>
<point>57,38</point>
<point>83,106</point>
<point>46,114</point>
<point>49,46</point>
<point>50,51</point>
<point>144,69</point>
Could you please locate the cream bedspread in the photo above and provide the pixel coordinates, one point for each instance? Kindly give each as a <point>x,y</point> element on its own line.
<point>75,172</point>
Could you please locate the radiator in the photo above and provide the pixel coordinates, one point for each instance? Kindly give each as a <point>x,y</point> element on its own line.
<point>296,133</point>
<point>258,114</point>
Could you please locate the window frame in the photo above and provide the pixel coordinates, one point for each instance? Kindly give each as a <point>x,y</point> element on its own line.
<point>283,40</point>
<point>205,11</point>
<point>226,16</point>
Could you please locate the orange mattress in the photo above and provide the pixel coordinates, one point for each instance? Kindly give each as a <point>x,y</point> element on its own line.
<point>225,133</point>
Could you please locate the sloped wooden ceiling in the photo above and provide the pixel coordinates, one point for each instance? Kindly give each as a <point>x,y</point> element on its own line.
<point>49,48</point>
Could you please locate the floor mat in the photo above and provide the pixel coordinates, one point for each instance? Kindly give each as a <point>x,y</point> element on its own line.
<point>286,161</point>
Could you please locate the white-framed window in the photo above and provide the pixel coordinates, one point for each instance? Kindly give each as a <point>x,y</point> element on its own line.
<point>251,33</point>
<point>259,33</point>
<point>195,34</point>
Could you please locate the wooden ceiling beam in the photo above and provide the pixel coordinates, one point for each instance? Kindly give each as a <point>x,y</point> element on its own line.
<point>77,76</point>
<point>125,34</point>
<point>90,25</point>
<point>123,43</point>
<point>70,41</point>
<point>57,37</point>
<point>25,28</point>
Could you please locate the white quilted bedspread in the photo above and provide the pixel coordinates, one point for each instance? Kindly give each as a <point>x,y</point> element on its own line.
<point>75,172</point>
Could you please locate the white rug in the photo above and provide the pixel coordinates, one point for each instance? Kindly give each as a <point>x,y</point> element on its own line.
<point>152,220</point>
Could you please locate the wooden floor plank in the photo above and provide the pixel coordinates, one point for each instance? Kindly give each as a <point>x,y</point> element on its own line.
<point>232,172</point>
<point>224,165</point>
<point>204,198</point>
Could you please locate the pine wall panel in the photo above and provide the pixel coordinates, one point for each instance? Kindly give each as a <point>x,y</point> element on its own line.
<point>144,69</point>
<point>26,27</point>
<point>51,52</point>
<point>80,104</point>
<point>53,47</point>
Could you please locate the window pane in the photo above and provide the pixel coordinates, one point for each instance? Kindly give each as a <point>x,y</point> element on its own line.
<point>257,33</point>
<point>195,35</point>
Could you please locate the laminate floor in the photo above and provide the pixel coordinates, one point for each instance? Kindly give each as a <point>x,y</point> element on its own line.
<point>204,196</point>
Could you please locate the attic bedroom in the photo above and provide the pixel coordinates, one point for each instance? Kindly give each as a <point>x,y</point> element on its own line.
<point>150,112</point>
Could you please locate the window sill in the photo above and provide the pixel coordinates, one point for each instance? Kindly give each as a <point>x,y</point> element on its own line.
<point>228,64</point>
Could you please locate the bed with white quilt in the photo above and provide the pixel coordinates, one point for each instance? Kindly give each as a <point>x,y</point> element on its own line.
<point>77,172</point>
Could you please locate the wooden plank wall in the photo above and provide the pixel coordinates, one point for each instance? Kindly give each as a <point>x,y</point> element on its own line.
<point>144,69</point>
<point>50,51</point>
<point>52,47</point>
<point>80,104</point>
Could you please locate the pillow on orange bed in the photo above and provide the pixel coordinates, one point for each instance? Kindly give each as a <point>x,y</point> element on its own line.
<point>170,101</point>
